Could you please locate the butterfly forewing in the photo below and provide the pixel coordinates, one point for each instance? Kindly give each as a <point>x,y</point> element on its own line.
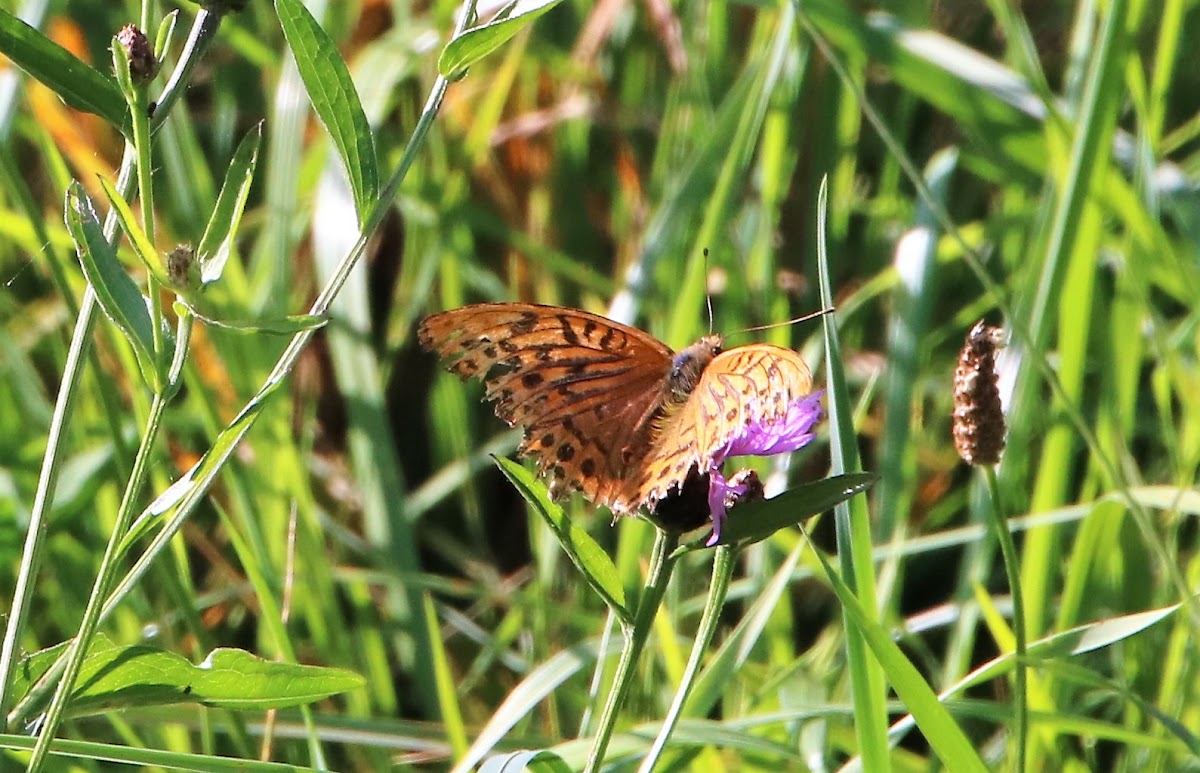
<point>577,382</point>
<point>747,385</point>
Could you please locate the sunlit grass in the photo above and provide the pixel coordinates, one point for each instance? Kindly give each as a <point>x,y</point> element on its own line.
<point>576,165</point>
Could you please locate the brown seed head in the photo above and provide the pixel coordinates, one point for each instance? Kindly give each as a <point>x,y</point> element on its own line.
<point>142,64</point>
<point>978,418</point>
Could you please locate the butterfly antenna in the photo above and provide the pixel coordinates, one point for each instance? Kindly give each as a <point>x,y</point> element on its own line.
<point>806,317</point>
<point>707,294</point>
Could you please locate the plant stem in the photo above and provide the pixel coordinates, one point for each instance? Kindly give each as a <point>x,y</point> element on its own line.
<point>35,537</point>
<point>109,565</point>
<point>718,589</point>
<point>661,564</point>
<point>1012,568</point>
<point>203,31</point>
<point>139,112</point>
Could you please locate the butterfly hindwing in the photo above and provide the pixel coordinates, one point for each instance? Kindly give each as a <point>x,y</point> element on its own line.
<point>748,385</point>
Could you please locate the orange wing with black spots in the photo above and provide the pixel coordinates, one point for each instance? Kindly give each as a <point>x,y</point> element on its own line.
<point>609,410</point>
<point>748,385</point>
<point>586,389</point>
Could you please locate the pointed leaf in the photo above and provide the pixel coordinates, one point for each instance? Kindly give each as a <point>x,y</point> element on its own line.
<point>289,325</point>
<point>116,292</point>
<point>142,246</point>
<point>217,243</point>
<point>331,90</point>
<point>476,43</point>
<point>588,557</point>
<point>78,84</point>
<point>754,521</point>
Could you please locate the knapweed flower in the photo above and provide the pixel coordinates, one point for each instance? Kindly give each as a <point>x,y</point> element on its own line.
<point>792,431</point>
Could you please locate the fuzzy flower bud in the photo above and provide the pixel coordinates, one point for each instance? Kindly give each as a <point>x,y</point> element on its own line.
<point>142,64</point>
<point>182,269</point>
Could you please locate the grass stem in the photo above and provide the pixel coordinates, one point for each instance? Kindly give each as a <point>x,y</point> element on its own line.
<point>661,564</point>
<point>1012,568</point>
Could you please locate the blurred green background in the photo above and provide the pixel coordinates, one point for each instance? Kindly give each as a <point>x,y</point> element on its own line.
<point>1035,164</point>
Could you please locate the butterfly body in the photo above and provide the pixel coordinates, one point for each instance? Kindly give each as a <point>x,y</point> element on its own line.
<point>689,363</point>
<point>609,410</point>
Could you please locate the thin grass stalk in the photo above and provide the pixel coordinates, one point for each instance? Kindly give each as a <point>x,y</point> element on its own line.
<point>77,651</point>
<point>853,528</point>
<point>1012,568</point>
<point>64,406</point>
<point>203,32</point>
<point>661,564</point>
<point>593,693</point>
<point>724,563</point>
<point>1115,476</point>
<point>283,366</point>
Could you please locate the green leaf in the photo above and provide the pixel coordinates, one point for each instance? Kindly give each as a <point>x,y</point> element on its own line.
<point>136,758</point>
<point>588,557</point>
<point>217,242</point>
<point>476,43</point>
<point>166,35</point>
<point>142,246</point>
<point>329,86</point>
<point>852,522</point>
<point>755,521</point>
<point>115,676</point>
<point>1052,652</point>
<point>116,292</point>
<point>289,325</point>
<point>78,84</point>
<point>944,735</point>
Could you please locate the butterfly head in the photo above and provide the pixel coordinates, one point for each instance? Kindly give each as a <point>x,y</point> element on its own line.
<point>689,363</point>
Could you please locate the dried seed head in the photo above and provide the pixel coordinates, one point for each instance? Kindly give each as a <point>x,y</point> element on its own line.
<point>142,64</point>
<point>978,418</point>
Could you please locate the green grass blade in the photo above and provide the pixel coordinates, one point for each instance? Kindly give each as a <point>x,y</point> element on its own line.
<point>938,726</point>
<point>853,532</point>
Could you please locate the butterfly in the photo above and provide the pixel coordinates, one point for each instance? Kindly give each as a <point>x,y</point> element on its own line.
<point>612,412</point>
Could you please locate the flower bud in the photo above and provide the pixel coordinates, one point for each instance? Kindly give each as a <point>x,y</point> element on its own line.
<point>142,64</point>
<point>182,269</point>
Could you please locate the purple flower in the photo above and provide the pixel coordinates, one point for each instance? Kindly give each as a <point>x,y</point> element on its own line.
<point>769,436</point>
